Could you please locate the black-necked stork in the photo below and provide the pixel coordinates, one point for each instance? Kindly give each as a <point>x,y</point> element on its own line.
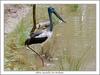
<point>42,36</point>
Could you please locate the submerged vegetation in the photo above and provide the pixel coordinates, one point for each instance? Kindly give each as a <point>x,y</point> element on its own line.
<point>70,49</point>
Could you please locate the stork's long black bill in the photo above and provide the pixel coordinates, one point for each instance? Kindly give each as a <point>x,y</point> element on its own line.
<point>58,16</point>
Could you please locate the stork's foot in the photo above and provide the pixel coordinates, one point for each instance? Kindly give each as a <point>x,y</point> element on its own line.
<point>46,56</point>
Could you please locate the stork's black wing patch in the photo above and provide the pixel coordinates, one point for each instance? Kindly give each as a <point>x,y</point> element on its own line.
<point>37,40</point>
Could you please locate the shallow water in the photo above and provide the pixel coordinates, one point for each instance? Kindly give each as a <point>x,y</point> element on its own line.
<point>72,46</point>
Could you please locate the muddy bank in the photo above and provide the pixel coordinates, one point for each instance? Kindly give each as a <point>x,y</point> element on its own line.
<point>13,14</point>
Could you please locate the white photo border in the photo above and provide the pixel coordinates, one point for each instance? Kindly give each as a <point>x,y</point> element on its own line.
<point>49,72</point>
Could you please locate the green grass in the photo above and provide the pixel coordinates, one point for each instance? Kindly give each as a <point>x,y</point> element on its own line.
<point>14,46</point>
<point>15,43</point>
<point>18,58</point>
<point>22,33</point>
<point>74,7</point>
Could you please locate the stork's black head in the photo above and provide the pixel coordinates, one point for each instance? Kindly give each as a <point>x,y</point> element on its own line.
<point>52,10</point>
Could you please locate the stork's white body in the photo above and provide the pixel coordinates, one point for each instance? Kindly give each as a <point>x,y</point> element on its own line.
<point>45,34</point>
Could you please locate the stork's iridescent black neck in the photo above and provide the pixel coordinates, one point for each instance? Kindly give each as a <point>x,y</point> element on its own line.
<point>50,12</point>
<point>40,37</point>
